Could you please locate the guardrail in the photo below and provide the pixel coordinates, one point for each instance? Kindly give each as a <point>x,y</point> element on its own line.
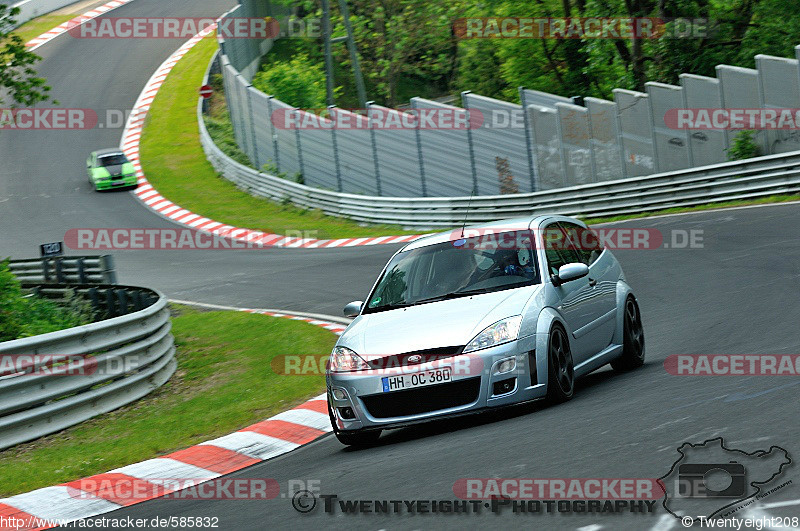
<point>52,381</point>
<point>745,179</point>
<point>65,270</point>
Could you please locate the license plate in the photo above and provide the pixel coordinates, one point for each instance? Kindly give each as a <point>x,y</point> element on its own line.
<point>417,379</point>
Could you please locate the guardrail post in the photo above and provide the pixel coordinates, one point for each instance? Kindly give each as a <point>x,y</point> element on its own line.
<point>107,267</point>
<point>94,298</point>
<point>81,272</point>
<point>60,271</point>
<point>122,297</point>
<point>137,300</point>
<point>110,306</point>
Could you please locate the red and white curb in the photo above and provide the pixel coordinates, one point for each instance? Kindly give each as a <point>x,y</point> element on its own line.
<point>95,495</point>
<point>72,23</point>
<point>166,208</point>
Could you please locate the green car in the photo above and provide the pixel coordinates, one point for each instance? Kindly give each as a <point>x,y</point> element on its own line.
<point>110,168</point>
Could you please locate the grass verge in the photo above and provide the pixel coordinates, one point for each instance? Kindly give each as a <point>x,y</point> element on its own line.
<point>224,382</point>
<point>35,27</point>
<point>175,164</point>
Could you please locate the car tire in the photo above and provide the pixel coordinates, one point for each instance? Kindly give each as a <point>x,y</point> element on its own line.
<point>353,438</point>
<point>632,339</point>
<point>560,367</point>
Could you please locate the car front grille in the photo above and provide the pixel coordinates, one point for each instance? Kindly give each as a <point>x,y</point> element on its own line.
<point>427,356</point>
<point>423,399</point>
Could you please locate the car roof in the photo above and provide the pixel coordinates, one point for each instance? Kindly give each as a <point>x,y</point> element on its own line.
<point>109,151</point>
<point>514,224</point>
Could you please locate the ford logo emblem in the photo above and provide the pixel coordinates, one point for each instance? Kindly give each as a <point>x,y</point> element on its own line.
<point>416,358</point>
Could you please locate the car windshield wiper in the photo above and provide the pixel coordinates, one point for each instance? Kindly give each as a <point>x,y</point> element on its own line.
<point>388,307</point>
<point>454,295</point>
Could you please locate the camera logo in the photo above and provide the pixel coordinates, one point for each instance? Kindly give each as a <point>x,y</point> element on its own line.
<point>711,480</point>
<point>724,480</point>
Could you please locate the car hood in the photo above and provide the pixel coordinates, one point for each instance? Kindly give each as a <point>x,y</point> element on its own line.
<point>447,323</point>
<point>114,169</point>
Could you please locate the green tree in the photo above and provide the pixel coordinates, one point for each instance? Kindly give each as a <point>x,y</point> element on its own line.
<point>399,40</point>
<point>743,146</point>
<point>18,79</point>
<point>298,82</point>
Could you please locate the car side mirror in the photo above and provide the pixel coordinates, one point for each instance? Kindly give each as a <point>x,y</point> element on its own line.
<point>353,309</point>
<point>569,272</point>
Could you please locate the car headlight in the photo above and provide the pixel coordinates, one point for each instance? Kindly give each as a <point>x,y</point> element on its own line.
<point>500,332</point>
<point>130,174</point>
<point>343,359</point>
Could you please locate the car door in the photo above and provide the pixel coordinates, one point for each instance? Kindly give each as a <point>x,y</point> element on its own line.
<point>576,304</point>
<point>602,280</point>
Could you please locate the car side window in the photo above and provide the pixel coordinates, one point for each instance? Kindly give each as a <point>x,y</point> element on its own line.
<point>557,248</point>
<point>584,240</point>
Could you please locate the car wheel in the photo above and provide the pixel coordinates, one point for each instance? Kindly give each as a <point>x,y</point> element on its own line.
<point>355,438</point>
<point>560,367</point>
<point>632,339</point>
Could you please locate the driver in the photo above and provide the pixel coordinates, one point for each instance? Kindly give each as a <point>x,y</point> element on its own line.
<point>454,270</point>
<point>515,263</point>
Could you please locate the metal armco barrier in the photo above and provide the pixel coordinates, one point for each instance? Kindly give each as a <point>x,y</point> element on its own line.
<point>84,371</point>
<point>746,179</point>
<point>65,270</point>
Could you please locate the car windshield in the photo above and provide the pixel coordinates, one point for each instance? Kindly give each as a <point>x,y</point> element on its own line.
<point>112,160</point>
<point>464,266</point>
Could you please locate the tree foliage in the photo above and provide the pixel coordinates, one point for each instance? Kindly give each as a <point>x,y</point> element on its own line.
<point>408,47</point>
<point>744,146</point>
<point>18,79</point>
<point>298,81</point>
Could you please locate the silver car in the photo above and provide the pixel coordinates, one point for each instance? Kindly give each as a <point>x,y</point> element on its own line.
<point>478,318</point>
